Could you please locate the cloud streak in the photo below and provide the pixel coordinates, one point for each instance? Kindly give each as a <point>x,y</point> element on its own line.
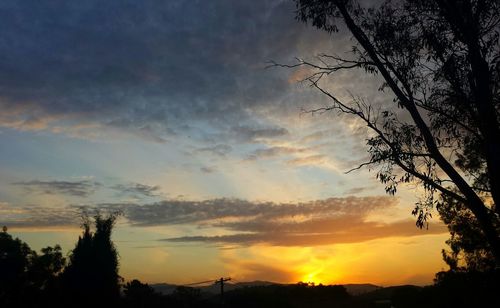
<point>82,188</point>
<point>213,210</point>
<point>255,134</point>
<point>272,152</point>
<point>322,222</point>
<point>218,150</point>
<point>312,160</point>
<point>350,232</point>
<point>38,217</point>
<point>137,189</point>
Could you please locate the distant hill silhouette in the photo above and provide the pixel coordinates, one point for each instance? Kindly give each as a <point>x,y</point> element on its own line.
<point>360,288</point>
<point>351,288</point>
<point>166,288</point>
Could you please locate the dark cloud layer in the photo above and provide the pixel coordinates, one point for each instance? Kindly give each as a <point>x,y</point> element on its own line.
<point>85,188</point>
<point>329,221</point>
<point>321,222</point>
<point>146,66</point>
<point>38,217</point>
<point>333,232</point>
<point>82,188</point>
<point>215,211</point>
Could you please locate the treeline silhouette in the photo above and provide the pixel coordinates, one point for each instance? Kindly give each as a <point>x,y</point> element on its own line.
<point>88,277</point>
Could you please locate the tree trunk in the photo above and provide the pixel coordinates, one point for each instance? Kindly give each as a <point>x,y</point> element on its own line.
<point>489,125</point>
<point>475,204</point>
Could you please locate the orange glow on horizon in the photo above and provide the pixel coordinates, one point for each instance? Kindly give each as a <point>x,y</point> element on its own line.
<point>384,262</point>
<point>312,278</point>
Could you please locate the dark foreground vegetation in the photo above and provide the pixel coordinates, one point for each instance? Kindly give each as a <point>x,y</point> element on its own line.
<point>88,277</point>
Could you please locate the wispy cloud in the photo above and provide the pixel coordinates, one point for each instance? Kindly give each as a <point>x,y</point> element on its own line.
<point>315,136</point>
<point>272,152</point>
<point>254,134</point>
<point>137,189</point>
<point>359,189</point>
<point>308,160</point>
<point>219,150</point>
<point>208,169</point>
<point>82,188</point>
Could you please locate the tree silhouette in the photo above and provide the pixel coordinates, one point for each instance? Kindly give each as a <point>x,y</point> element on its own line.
<point>441,62</point>
<point>92,274</point>
<point>469,249</point>
<point>140,295</point>
<point>46,266</point>
<point>27,279</point>
<point>15,258</point>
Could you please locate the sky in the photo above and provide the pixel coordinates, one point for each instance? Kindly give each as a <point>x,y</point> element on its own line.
<point>168,112</point>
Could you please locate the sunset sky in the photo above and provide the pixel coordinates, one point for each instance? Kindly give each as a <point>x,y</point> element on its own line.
<point>165,110</point>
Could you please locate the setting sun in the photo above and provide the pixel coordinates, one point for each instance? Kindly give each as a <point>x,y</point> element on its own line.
<point>311,279</point>
<point>314,272</point>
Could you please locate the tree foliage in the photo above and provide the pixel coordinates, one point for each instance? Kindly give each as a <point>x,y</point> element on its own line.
<point>469,249</point>
<point>15,259</point>
<point>26,276</point>
<point>31,279</point>
<point>440,63</point>
<point>140,295</point>
<point>92,273</point>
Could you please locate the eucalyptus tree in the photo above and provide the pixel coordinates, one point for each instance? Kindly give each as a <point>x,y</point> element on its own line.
<point>439,62</point>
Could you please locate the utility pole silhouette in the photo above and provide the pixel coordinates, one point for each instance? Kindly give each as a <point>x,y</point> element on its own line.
<point>221,281</point>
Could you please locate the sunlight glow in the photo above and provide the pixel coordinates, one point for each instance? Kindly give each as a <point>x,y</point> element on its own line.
<point>311,279</point>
